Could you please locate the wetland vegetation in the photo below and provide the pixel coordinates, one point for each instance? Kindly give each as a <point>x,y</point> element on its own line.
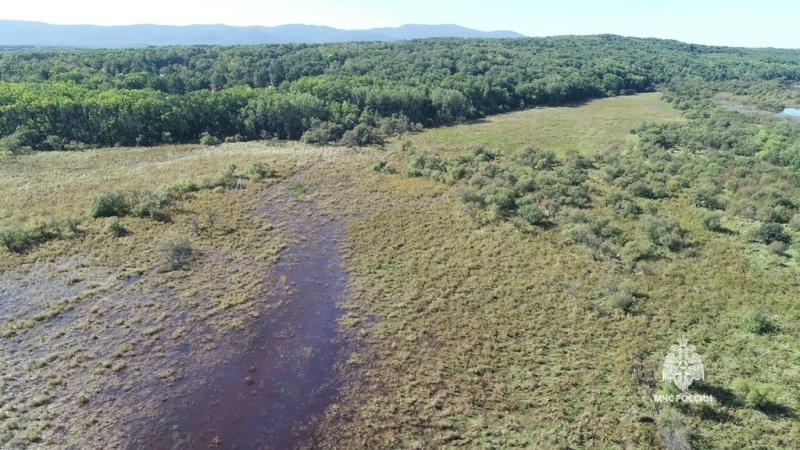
<point>523,240</point>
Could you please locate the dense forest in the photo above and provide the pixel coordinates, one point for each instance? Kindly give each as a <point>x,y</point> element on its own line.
<point>352,92</point>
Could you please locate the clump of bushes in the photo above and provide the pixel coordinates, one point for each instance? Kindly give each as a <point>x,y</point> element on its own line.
<point>115,227</point>
<point>771,232</point>
<point>711,220</point>
<point>320,133</point>
<point>757,322</point>
<point>36,232</point>
<point>111,204</point>
<point>22,140</point>
<point>383,167</point>
<point>362,135</point>
<point>621,204</point>
<point>672,426</point>
<point>209,140</point>
<point>259,171</point>
<point>665,232</point>
<point>755,395</point>
<point>178,253</point>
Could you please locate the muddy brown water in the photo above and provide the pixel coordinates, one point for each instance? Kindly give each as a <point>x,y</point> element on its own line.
<point>267,398</point>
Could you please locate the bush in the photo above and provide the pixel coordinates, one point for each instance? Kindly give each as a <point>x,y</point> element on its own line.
<point>16,241</point>
<point>362,135</point>
<point>634,251</point>
<point>664,231</point>
<point>115,227</point>
<point>143,203</point>
<point>177,252</point>
<point>208,139</point>
<point>227,178</point>
<point>384,167</point>
<point>54,143</point>
<point>34,233</point>
<point>756,322</point>
<point>672,426</point>
<point>72,224</point>
<point>711,220</point>
<point>755,395</point>
<point>621,204</point>
<point>22,140</point>
<point>641,189</point>
<point>109,205</point>
<point>259,171</point>
<point>794,223</point>
<point>320,133</point>
<point>532,214</point>
<point>771,232</point>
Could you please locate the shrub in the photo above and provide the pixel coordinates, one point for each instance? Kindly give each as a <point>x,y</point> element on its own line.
<point>641,189</point>
<point>208,139</point>
<point>16,241</point>
<point>178,191</point>
<point>72,224</point>
<point>664,231</point>
<point>711,220</point>
<point>532,214</point>
<point>362,135</point>
<point>115,227</point>
<point>777,247</point>
<point>227,178</point>
<point>109,205</point>
<point>22,140</point>
<point>672,426</point>
<point>259,171</point>
<point>636,250</point>
<point>319,133</point>
<point>757,322</point>
<point>296,190</point>
<point>384,167</point>
<point>707,199</point>
<point>621,204</point>
<point>771,232</point>
<point>177,252</point>
<point>143,203</point>
<point>755,395</point>
<point>54,143</point>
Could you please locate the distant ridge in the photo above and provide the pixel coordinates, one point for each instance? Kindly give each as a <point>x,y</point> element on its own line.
<point>37,34</point>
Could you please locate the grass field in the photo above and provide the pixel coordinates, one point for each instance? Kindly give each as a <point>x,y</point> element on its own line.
<point>465,336</point>
<point>490,337</point>
<point>589,128</point>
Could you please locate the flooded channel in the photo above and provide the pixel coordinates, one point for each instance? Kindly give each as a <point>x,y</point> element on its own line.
<point>266,398</point>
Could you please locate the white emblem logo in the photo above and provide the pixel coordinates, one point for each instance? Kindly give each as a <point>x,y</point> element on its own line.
<point>683,365</point>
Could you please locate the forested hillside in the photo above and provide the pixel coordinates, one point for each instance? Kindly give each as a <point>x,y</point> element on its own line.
<point>52,100</point>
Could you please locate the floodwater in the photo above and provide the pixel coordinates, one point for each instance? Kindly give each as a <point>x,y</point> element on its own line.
<point>791,112</point>
<point>267,398</point>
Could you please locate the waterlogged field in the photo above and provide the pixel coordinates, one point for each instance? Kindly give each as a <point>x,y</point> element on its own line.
<point>107,323</point>
<point>460,333</point>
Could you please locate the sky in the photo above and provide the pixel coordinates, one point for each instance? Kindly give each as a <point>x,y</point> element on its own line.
<point>761,23</point>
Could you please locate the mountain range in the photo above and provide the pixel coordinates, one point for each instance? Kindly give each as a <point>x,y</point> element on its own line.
<point>37,34</point>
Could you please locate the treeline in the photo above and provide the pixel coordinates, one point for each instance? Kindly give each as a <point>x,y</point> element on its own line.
<point>64,99</point>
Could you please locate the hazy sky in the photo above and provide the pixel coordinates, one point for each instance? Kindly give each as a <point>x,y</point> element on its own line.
<point>761,23</point>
